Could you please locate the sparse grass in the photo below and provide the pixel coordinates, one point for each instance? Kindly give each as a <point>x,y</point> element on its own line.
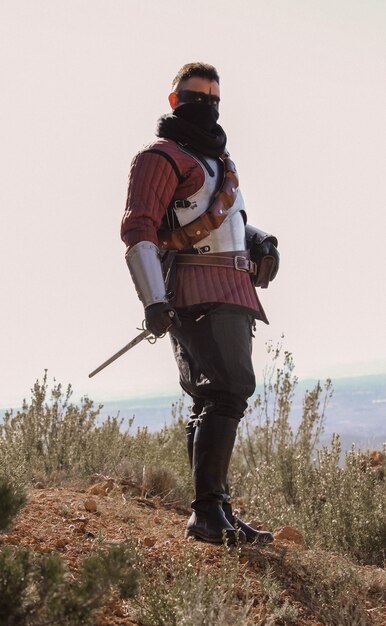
<point>283,476</point>
<point>185,594</point>
<point>279,612</point>
<point>331,587</point>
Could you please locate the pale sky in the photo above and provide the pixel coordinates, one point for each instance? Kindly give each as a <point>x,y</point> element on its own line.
<point>303,104</point>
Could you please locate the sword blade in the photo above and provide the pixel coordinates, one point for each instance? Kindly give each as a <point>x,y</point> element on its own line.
<point>145,333</point>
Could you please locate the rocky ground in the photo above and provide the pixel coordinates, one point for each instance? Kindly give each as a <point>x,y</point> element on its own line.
<point>76,522</point>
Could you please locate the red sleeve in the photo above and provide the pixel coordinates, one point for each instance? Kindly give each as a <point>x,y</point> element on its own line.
<point>152,185</point>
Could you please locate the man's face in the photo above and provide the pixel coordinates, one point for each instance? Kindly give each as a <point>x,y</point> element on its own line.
<point>196,89</point>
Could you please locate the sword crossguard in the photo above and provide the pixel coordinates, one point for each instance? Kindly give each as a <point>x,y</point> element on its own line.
<point>149,338</point>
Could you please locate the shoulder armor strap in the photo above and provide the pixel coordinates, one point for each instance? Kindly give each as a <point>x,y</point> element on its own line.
<point>168,158</point>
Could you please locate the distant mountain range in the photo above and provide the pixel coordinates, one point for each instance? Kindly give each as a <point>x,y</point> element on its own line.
<point>357,410</point>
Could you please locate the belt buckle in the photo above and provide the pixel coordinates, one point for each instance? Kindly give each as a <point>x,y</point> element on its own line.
<point>236,263</point>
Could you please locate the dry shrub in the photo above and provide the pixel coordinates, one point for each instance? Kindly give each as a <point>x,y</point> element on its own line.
<point>283,475</point>
<point>286,478</point>
<point>182,593</point>
<point>53,441</point>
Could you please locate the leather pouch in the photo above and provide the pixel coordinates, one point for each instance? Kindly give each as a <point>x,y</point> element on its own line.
<point>265,270</point>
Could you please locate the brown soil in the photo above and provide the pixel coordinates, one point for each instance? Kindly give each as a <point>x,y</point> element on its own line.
<point>56,519</point>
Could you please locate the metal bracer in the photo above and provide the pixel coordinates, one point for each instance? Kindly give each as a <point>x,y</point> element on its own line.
<point>143,261</point>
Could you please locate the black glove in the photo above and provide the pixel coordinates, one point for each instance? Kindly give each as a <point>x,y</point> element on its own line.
<point>266,248</point>
<point>159,317</point>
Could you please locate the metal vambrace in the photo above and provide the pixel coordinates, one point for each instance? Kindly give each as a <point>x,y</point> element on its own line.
<point>144,263</point>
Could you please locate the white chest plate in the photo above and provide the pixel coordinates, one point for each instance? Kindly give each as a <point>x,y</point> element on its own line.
<point>231,234</point>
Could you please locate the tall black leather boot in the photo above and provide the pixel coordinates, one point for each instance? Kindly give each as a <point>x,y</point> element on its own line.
<point>214,438</point>
<point>252,535</point>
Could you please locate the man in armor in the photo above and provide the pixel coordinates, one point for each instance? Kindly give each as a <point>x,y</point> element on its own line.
<point>195,264</point>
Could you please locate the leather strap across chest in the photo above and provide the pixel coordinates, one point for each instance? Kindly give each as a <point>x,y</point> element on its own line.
<point>186,236</point>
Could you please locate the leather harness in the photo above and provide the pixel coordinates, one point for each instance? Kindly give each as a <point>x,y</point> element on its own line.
<point>185,237</point>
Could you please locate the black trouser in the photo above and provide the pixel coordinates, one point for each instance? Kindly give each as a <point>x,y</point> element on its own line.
<point>213,352</point>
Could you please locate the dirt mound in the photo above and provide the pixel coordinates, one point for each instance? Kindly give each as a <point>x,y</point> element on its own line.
<point>78,522</point>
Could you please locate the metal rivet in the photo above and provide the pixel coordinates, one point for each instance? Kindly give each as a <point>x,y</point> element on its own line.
<point>220,211</point>
<point>165,243</point>
<point>233,189</point>
<point>198,232</point>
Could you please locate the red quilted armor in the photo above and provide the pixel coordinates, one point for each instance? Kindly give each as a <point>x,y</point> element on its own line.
<point>155,182</point>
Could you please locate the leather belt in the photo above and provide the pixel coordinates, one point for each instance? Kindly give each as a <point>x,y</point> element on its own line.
<point>239,262</point>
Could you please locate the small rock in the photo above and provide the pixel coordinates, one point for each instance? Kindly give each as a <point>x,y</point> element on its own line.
<point>60,544</point>
<point>90,505</point>
<point>286,533</point>
<point>157,520</point>
<point>149,542</point>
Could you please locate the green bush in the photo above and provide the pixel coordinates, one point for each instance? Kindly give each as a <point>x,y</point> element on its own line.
<point>12,498</point>
<point>37,590</point>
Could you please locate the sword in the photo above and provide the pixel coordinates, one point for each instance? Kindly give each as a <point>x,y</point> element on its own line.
<point>145,334</point>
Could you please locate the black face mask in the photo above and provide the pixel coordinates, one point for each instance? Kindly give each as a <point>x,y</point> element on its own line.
<point>203,115</point>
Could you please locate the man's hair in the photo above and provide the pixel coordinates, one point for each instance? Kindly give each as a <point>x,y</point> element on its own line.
<point>203,70</point>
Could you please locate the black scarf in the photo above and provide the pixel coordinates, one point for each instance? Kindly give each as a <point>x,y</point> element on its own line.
<point>209,143</point>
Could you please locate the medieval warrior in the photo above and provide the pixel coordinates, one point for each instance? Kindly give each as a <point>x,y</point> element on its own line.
<point>195,263</point>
